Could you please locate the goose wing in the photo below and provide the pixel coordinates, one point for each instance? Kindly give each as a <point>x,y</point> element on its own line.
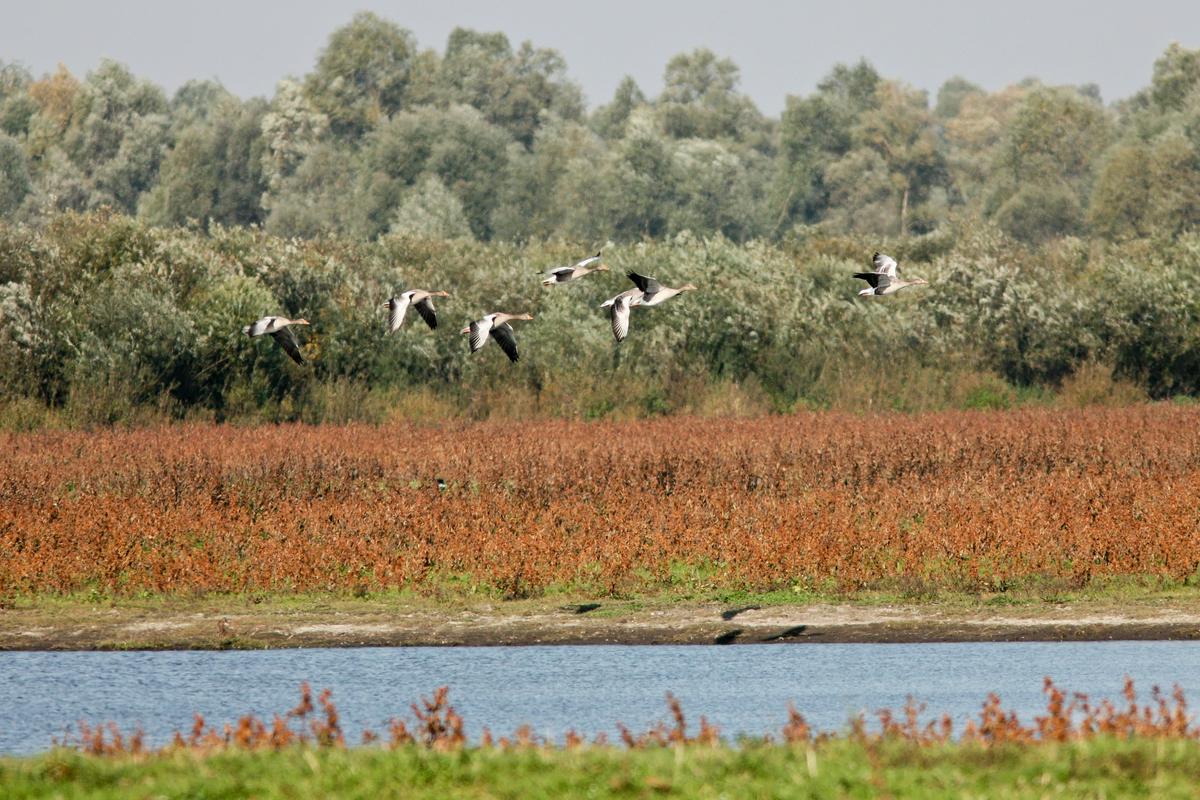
<point>561,274</point>
<point>586,262</point>
<point>503,334</point>
<point>646,284</point>
<point>287,340</point>
<point>619,316</point>
<point>480,329</point>
<point>427,312</point>
<point>885,264</point>
<point>878,280</point>
<point>258,327</point>
<point>397,308</point>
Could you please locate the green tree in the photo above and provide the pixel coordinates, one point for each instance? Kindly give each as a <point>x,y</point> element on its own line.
<point>16,106</point>
<point>14,175</point>
<point>814,132</point>
<point>116,135</point>
<point>1176,75</point>
<point>466,153</point>
<point>513,90</point>
<point>214,173</point>
<point>700,100</point>
<point>429,209</point>
<point>899,129</point>
<point>951,95</point>
<point>609,120</point>
<point>1045,164</point>
<point>362,74</point>
<point>534,198</point>
<point>320,196</point>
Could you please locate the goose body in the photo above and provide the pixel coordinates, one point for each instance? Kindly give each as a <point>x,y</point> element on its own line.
<point>556,275</point>
<point>495,326</point>
<point>654,292</point>
<point>283,335</point>
<point>886,278</point>
<point>418,298</point>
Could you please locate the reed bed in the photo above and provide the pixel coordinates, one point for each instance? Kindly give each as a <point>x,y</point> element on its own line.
<point>955,501</point>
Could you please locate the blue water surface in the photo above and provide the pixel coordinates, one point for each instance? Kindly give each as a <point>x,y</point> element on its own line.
<point>741,689</point>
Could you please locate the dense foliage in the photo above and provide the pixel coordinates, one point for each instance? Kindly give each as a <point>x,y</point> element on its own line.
<point>813,503</point>
<point>490,141</point>
<point>138,233</point>
<point>104,318</point>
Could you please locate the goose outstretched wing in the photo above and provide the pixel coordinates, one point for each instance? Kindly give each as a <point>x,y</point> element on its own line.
<point>290,344</point>
<point>619,315</point>
<point>885,264</point>
<point>503,334</point>
<point>428,313</point>
<point>480,329</point>
<point>397,308</point>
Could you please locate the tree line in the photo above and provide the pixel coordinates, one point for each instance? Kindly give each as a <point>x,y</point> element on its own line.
<point>487,141</point>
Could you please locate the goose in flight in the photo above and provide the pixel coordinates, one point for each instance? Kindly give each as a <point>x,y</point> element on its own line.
<point>419,299</point>
<point>654,292</point>
<point>885,279</point>
<point>280,332</point>
<point>495,325</point>
<point>618,311</point>
<point>556,275</point>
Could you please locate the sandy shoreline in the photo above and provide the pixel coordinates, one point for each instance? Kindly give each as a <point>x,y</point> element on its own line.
<point>84,628</point>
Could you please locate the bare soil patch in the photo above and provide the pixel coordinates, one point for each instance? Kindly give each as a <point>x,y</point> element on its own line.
<point>347,625</point>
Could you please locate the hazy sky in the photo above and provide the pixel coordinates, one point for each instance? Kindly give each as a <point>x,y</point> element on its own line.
<point>781,47</point>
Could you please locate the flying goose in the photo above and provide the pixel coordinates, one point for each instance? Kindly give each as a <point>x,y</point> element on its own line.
<point>419,299</point>
<point>885,279</point>
<point>280,332</point>
<point>496,325</point>
<point>556,275</point>
<point>618,311</point>
<point>654,292</point>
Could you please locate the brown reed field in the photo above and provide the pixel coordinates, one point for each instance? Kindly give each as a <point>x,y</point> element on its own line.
<point>814,502</point>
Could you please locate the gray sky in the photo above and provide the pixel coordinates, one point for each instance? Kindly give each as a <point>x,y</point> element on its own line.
<point>781,47</point>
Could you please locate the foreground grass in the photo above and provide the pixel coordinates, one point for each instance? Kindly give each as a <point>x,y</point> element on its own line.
<point>688,585</point>
<point>839,768</point>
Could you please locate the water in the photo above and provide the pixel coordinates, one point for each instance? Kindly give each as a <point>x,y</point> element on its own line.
<point>743,690</point>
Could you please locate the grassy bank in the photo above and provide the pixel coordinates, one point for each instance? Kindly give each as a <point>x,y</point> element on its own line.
<point>1099,768</point>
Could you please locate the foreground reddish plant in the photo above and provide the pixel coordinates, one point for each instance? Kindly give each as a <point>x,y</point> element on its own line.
<point>439,727</point>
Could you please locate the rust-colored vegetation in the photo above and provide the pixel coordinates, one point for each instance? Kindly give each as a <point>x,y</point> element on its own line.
<point>961,501</point>
<point>437,726</point>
